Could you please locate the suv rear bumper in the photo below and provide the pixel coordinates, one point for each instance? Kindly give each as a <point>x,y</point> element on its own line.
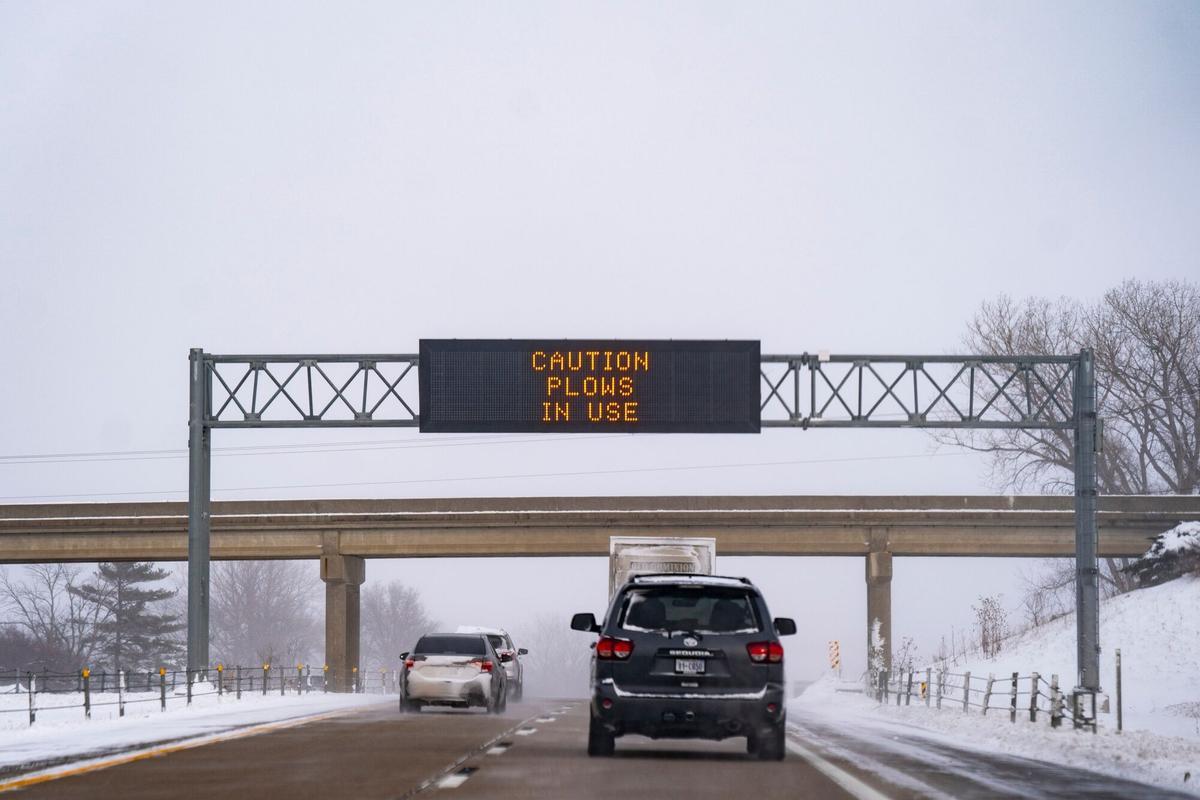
<point>686,715</point>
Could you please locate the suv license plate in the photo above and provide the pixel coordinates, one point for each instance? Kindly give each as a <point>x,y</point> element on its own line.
<point>689,666</point>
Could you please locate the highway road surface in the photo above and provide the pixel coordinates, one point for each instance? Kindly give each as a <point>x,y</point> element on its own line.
<point>536,750</point>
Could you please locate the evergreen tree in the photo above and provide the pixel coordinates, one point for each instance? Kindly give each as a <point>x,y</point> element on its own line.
<point>131,635</point>
<point>1173,554</point>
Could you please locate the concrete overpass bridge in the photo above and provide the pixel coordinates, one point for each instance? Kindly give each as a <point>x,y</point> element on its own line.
<point>344,533</point>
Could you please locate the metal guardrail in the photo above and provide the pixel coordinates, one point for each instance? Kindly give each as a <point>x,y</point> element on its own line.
<point>90,688</point>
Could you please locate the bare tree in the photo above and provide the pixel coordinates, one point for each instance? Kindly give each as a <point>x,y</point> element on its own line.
<point>1048,591</point>
<point>1146,340</point>
<point>393,618</point>
<point>559,658</point>
<point>905,657</point>
<point>264,612</point>
<point>991,624</point>
<point>60,623</point>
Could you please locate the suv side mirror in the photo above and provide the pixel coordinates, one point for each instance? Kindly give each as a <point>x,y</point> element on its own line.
<point>785,626</point>
<point>585,622</point>
<point>522,651</point>
<point>404,655</point>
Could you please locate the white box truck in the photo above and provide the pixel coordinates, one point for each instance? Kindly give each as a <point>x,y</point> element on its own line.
<point>645,555</point>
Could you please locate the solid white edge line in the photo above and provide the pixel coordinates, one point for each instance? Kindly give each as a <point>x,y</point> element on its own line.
<point>844,779</point>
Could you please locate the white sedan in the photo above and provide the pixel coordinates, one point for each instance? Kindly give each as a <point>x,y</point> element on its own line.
<point>452,669</point>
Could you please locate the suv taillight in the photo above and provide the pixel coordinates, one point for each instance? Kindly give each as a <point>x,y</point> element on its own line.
<point>408,663</point>
<point>484,666</point>
<point>608,647</point>
<point>765,652</point>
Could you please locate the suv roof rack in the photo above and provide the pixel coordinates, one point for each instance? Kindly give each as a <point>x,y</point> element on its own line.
<point>685,577</point>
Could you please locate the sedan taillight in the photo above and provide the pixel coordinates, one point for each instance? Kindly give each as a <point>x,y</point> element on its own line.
<point>765,652</point>
<point>609,647</point>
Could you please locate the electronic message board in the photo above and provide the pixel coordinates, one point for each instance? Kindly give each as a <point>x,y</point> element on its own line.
<point>589,386</point>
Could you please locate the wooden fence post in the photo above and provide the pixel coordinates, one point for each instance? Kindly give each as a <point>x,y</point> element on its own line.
<point>1120,716</point>
<point>1034,688</point>
<point>987,694</point>
<point>967,692</point>
<point>1012,706</point>
<point>1055,703</point>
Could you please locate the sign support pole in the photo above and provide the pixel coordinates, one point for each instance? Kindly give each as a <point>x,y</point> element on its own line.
<point>199,472</point>
<point>1087,573</point>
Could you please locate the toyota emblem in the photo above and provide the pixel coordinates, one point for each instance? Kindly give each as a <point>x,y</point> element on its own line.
<point>691,641</point>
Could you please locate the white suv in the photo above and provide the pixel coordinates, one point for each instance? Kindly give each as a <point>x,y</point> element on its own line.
<point>510,656</point>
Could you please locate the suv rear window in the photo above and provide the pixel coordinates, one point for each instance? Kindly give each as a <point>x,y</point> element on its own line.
<point>451,646</point>
<point>705,609</point>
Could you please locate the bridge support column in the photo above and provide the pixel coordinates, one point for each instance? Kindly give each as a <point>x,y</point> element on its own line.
<point>342,575</point>
<point>879,607</point>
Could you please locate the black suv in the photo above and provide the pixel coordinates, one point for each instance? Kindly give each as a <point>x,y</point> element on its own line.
<point>688,656</point>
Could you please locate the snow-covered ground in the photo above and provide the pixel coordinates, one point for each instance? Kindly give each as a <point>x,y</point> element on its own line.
<point>1133,755</point>
<point>65,734</point>
<point>1158,632</point>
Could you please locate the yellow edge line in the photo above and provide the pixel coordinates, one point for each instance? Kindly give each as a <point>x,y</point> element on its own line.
<point>154,752</point>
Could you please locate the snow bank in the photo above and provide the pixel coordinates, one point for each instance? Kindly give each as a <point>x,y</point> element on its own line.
<point>1158,633</point>
<point>63,733</point>
<point>1157,630</point>
<point>1184,536</point>
<point>1134,755</point>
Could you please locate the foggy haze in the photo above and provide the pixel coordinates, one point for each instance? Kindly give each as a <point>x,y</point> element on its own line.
<point>303,178</point>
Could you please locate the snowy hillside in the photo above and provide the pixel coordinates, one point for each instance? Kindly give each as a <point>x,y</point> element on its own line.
<point>1158,632</point>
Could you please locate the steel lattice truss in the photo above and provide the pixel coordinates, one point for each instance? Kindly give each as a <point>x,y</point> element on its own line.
<point>311,391</point>
<point>919,391</point>
<point>797,391</point>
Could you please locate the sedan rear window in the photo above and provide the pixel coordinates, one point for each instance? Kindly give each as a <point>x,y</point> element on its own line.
<point>705,609</point>
<point>451,646</point>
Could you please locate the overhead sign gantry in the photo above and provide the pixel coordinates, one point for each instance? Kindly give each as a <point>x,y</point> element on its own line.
<point>642,387</point>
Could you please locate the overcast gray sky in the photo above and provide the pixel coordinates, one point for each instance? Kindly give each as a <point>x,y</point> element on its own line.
<point>283,177</point>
